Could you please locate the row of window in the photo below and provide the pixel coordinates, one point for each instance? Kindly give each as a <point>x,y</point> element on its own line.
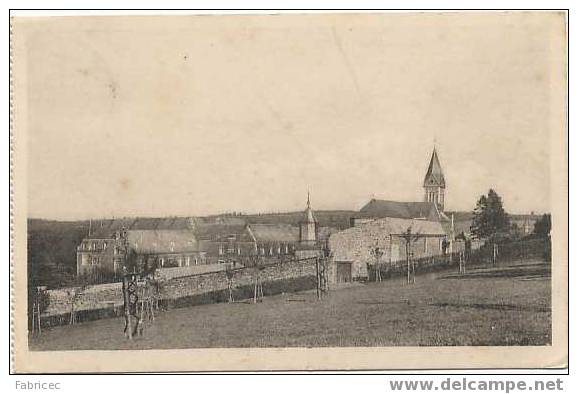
<point>94,245</point>
<point>279,249</point>
<point>89,260</point>
<point>435,197</point>
<point>179,261</point>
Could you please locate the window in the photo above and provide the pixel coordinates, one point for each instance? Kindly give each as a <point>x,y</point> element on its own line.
<point>270,251</point>
<point>278,249</point>
<point>263,251</point>
<point>188,260</point>
<point>162,261</point>
<point>286,249</point>
<point>104,245</point>
<point>220,249</point>
<point>94,245</point>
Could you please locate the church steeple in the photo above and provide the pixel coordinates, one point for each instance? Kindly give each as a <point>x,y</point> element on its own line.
<point>434,183</point>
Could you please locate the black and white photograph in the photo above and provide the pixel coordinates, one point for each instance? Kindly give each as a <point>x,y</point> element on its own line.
<point>389,186</point>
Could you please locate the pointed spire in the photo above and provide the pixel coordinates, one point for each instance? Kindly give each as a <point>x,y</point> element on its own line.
<point>434,175</point>
<point>309,218</point>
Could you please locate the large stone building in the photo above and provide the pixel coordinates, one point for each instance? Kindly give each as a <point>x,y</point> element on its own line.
<point>106,254</point>
<point>353,249</point>
<point>380,224</point>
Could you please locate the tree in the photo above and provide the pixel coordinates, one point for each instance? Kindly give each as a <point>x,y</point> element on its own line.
<point>490,219</point>
<point>543,226</point>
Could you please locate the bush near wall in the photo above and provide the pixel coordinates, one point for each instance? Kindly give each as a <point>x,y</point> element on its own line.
<point>531,248</point>
<point>537,248</point>
<point>422,265</point>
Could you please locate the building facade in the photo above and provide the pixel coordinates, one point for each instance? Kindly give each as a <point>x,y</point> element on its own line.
<point>380,241</point>
<point>109,256</point>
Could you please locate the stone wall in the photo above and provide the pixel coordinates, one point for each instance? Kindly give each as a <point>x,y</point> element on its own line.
<point>198,284</point>
<point>97,301</point>
<point>175,272</point>
<point>89,298</point>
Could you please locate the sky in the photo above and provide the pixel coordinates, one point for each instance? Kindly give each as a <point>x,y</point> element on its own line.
<point>199,115</point>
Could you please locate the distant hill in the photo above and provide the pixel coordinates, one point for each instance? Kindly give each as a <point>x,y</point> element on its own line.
<point>52,251</point>
<point>338,218</point>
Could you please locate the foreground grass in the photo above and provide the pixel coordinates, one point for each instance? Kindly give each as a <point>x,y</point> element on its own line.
<point>507,305</point>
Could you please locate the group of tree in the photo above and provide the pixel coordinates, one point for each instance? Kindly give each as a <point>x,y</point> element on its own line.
<point>543,226</point>
<point>491,222</point>
<point>490,219</point>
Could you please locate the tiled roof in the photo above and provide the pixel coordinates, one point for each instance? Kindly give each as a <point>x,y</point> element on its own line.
<point>460,226</point>
<point>274,232</point>
<point>106,228</point>
<point>399,209</point>
<point>162,241</point>
<point>218,231</point>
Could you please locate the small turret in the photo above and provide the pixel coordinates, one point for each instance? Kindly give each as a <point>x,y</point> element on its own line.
<point>308,226</point>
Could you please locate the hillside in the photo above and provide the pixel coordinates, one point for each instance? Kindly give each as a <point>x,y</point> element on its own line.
<point>52,250</point>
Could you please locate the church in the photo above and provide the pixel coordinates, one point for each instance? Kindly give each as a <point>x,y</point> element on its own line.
<point>380,224</point>
<point>431,208</point>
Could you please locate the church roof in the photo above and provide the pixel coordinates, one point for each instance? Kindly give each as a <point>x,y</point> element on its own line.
<point>400,209</point>
<point>434,175</point>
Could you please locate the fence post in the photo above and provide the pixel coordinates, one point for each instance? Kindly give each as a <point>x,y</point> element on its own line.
<point>318,284</point>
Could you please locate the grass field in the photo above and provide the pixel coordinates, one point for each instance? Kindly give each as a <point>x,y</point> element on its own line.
<point>506,305</point>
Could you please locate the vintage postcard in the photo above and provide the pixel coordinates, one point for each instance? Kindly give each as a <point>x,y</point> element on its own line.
<point>279,192</point>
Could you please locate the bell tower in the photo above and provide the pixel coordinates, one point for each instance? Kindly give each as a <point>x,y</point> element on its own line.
<point>434,183</point>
